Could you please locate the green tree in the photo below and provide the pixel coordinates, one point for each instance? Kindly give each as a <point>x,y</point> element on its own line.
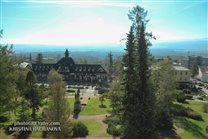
<point>33,94</point>
<point>58,110</point>
<point>24,115</point>
<point>102,99</point>
<point>165,87</point>
<point>139,99</point>
<point>77,104</point>
<point>30,57</point>
<point>116,96</point>
<point>115,130</point>
<point>24,111</point>
<point>129,115</point>
<point>194,68</point>
<point>8,77</point>
<point>30,79</point>
<point>20,82</point>
<point>39,58</point>
<point>110,66</point>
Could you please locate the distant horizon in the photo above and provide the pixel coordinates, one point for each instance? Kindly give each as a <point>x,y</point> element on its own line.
<point>194,47</point>
<point>152,41</point>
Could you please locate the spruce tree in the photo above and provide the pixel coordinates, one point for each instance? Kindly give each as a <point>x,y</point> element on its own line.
<point>129,101</point>
<point>139,110</point>
<point>59,110</point>
<point>194,68</point>
<point>33,94</point>
<point>110,67</point>
<point>39,58</point>
<point>8,77</point>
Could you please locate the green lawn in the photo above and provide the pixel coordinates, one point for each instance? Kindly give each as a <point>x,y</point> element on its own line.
<point>92,126</point>
<point>92,107</point>
<point>71,103</point>
<point>187,128</point>
<point>5,137</point>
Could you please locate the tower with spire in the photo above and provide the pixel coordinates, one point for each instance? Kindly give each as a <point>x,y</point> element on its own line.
<point>66,53</point>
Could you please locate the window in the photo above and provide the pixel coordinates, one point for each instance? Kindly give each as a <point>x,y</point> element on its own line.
<point>181,72</point>
<point>186,73</point>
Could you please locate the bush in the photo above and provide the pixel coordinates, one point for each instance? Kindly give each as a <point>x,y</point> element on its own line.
<point>86,87</point>
<point>79,130</point>
<point>111,119</point>
<point>70,90</point>
<point>205,107</point>
<point>190,97</point>
<point>206,129</point>
<point>181,97</point>
<point>115,130</point>
<point>186,112</point>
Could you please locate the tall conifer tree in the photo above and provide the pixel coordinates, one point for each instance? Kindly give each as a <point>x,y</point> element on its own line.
<point>130,88</point>
<point>110,67</point>
<point>139,99</point>
<point>59,109</point>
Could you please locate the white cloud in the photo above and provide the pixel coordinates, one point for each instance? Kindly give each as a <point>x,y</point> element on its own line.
<point>78,3</point>
<point>96,31</point>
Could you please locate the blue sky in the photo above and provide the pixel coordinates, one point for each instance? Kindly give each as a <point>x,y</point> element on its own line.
<point>82,22</point>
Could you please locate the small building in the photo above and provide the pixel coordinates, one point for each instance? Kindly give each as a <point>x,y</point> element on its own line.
<point>203,73</point>
<point>188,62</point>
<point>72,73</point>
<point>183,74</point>
<point>25,65</point>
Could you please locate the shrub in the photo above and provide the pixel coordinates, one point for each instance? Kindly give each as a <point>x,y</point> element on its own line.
<point>70,90</point>
<point>194,115</point>
<point>205,107</point>
<point>181,97</point>
<point>190,97</point>
<point>186,112</point>
<point>111,119</point>
<point>79,130</point>
<point>206,129</point>
<point>115,130</point>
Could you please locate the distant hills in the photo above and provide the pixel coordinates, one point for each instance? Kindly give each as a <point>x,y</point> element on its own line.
<point>171,48</point>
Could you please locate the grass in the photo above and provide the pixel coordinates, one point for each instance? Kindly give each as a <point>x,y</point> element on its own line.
<point>36,134</point>
<point>5,137</point>
<point>71,103</point>
<point>92,107</point>
<point>190,128</point>
<point>92,126</point>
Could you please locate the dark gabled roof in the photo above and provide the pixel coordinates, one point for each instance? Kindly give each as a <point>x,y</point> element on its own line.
<point>67,65</point>
<point>89,68</point>
<point>66,61</point>
<point>76,68</point>
<point>45,68</point>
